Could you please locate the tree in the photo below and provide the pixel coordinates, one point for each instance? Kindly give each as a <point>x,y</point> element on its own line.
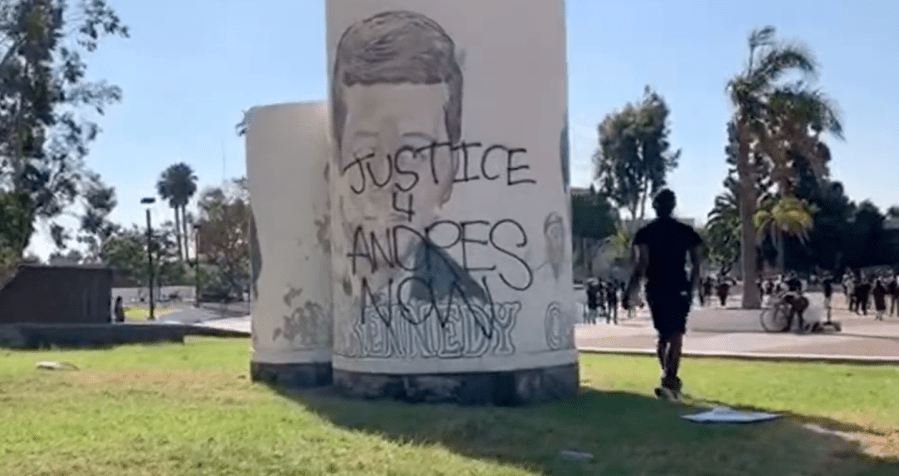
<point>96,227</point>
<point>43,95</point>
<point>633,157</point>
<point>783,217</point>
<point>592,220</point>
<point>126,250</point>
<point>722,231</point>
<point>772,116</point>
<point>72,257</point>
<point>225,234</point>
<point>177,185</point>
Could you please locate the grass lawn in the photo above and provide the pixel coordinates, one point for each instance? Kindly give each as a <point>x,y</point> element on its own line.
<point>190,409</point>
<point>141,313</point>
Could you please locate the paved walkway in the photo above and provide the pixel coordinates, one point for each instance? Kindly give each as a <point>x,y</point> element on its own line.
<point>862,338</point>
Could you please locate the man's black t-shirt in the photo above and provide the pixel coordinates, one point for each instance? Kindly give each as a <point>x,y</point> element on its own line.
<point>668,241</point>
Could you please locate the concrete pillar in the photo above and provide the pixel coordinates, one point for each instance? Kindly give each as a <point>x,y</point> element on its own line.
<point>451,217</point>
<point>287,167</point>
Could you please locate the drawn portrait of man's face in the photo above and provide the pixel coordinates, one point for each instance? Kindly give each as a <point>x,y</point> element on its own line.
<point>397,111</point>
<point>554,232</point>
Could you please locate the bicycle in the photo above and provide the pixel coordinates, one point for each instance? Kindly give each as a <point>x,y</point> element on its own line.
<point>776,317</point>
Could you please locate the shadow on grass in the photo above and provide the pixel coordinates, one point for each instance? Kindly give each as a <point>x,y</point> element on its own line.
<point>626,433</point>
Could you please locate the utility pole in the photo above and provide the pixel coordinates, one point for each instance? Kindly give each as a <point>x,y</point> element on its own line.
<point>149,201</point>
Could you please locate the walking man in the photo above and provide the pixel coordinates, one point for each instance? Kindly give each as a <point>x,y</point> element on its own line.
<point>893,291</point>
<point>593,289</point>
<point>661,248</point>
<point>612,303</point>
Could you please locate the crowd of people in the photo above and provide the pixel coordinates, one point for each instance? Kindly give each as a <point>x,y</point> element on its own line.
<point>602,300</point>
<point>862,290</point>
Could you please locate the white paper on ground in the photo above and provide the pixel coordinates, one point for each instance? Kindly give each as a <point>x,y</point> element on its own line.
<point>729,415</point>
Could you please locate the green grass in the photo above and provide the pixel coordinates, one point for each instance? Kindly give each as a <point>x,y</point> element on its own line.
<point>141,313</point>
<point>173,409</point>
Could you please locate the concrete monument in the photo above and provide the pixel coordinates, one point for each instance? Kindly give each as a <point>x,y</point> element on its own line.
<point>287,149</point>
<point>450,215</point>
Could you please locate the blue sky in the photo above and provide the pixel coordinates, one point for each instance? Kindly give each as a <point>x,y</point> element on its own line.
<point>191,67</point>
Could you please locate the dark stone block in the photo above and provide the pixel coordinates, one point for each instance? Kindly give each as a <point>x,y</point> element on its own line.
<point>511,388</point>
<point>78,336</point>
<point>292,376</point>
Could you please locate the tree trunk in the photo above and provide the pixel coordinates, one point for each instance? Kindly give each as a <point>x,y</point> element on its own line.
<point>781,258</point>
<point>751,298</point>
<point>185,227</point>
<point>178,231</point>
<point>643,193</point>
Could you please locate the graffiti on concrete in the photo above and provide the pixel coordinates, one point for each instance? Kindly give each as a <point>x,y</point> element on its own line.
<point>422,283</point>
<point>307,326</point>
<point>559,332</point>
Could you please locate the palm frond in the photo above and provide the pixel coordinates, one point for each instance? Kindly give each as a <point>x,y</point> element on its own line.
<point>781,59</point>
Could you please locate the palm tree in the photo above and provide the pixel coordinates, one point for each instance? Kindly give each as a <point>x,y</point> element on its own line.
<point>779,218</point>
<point>723,226</point>
<point>177,184</point>
<point>773,116</point>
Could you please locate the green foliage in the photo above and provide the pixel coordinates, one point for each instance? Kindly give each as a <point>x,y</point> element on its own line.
<point>44,97</point>
<point>777,116</point>
<point>225,234</point>
<point>127,251</point>
<point>722,231</point>
<point>633,157</point>
<point>16,221</point>
<point>177,185</point>
<point>46,109</point>
<point>592,216</point>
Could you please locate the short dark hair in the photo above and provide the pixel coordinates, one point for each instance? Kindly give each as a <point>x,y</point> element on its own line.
<point>664,202</point>
<point>397,47</point>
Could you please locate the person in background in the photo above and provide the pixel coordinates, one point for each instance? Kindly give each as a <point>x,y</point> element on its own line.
<point>879,292</point>
<point>723,289</point>
<point>593,290</point>
<point>612,303</point>
<point>827,287</point>
<point>798,303</point>
<point>707,285</point>
<point>893,290</point>
<point>863,291</point>
<point>118,311</point>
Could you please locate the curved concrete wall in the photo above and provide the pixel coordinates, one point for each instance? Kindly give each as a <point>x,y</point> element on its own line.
<point>452,260</point>
<point>287,157</point>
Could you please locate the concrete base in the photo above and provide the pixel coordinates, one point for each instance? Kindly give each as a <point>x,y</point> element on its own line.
<point>78,336</point>
<point>292,376</point>
<point>509,388</point>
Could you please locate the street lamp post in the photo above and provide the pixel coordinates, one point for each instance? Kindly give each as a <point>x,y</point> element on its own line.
<point>149,201</point>
<point>196,265</point>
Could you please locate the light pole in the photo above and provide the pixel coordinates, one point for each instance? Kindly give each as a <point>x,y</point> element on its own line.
<point>196,265</point>
<point>149,201</point>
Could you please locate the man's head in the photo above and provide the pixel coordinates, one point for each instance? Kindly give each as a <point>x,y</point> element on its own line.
<point>396,89</point>
<point>664,203</point>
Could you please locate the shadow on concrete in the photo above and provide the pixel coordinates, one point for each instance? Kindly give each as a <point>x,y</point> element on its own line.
<point>625,433</point>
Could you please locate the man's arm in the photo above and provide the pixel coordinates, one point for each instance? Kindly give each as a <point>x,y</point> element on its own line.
<point>695,264</point>
<point>642,252</point>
